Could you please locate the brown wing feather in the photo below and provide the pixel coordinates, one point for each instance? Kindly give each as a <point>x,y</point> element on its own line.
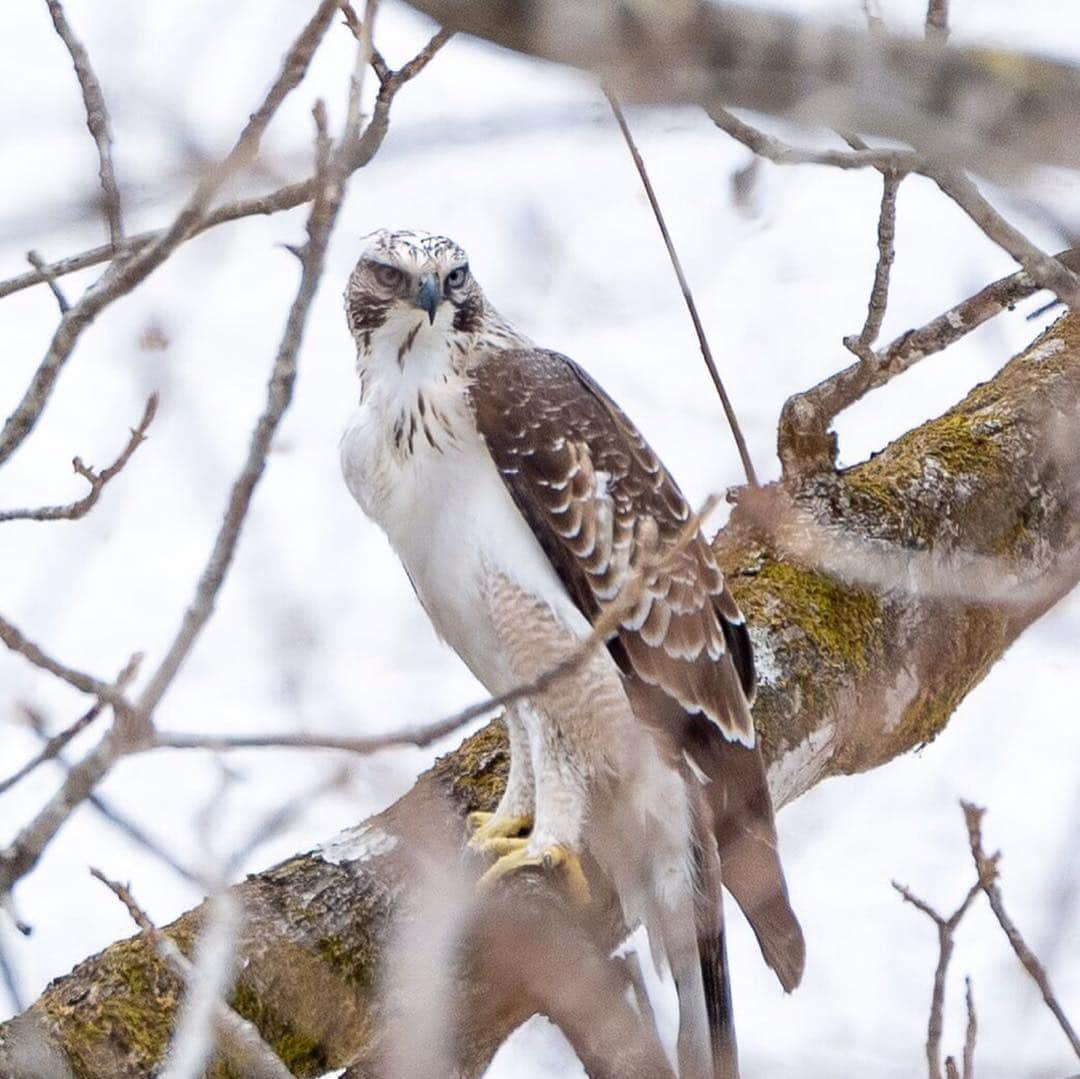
<point>598,499</point>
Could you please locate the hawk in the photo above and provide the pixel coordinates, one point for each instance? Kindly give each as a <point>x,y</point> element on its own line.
<point>521,500</point>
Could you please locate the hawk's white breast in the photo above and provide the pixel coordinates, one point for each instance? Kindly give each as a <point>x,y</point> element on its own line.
<point>444,507</point>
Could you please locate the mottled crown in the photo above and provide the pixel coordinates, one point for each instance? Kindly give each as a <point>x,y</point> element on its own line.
<point>412,249</point>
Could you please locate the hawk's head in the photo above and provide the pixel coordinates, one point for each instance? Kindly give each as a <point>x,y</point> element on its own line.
<point>408,283</point>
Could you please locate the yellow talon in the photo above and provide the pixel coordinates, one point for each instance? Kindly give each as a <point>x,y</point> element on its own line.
<point>517,857</point>
<point>487,827</point>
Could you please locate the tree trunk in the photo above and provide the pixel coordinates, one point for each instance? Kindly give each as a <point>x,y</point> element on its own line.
<point>879,597</point>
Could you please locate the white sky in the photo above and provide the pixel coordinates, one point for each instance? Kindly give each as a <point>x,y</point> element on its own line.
<point>317,627</point>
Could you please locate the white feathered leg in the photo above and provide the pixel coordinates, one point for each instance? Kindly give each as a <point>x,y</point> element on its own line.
<point>514,814</point>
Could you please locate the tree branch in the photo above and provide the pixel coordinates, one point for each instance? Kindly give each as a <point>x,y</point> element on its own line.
<point>97,480</point>
<point>97,121</point>
<point>852,677</point>
<point>984,108</point>
<point>688,296</point>
<point>987,869</point>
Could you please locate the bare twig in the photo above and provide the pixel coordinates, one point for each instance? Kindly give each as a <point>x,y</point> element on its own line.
<point>987,869</point>
<point>937,21</point>
<point>283,198</point>
<point>85,683</point>
<point>246,1046</point>
<point>863,345</point>
<point>97,480</point>
<point>26,848</point>
<point>125,274</point>
<point>946,927</point>
<point>605,626</point>
<point>684,286</point>
<point>123,823</point>
<point>782,153</point>
<point>9,979</point>
<point>971,1032</point>
<point>42,268</point>
<point>1043,268</point>
<point>97,121</point>
<point>53,747</point>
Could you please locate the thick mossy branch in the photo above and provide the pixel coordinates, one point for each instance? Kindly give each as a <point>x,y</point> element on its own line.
<point>879,597</point>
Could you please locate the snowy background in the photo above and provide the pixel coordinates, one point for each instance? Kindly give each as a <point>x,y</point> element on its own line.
<point>317,628</point>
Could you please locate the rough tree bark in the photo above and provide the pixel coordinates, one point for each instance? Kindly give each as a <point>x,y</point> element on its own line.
<point>853,674</point>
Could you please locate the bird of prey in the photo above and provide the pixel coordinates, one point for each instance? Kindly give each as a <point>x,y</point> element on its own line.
<point>521,501</point>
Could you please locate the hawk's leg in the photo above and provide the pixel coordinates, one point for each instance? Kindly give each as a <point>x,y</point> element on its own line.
<point>514,814</point>
<point>561,798</point>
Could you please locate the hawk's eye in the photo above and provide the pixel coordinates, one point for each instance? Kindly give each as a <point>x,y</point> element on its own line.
<point>456,277</point>
<point>387,276</point>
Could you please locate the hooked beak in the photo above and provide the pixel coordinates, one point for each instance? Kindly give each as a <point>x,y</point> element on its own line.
<point>427,298</point>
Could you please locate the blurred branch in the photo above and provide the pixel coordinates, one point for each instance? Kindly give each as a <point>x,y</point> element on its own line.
<point>937,21</point>
<point>971,1031</point>
<point>42,268</point>
<point>986,477</point>
<point>284,198</point>
<point>946,928</point>
<point>992,109</point>
<point>97,480</point>
<point>22,854</point>
<point>244,1046</point>
<point>97,121</point>
<point>782,153</point>
<point>53,747</point>
<point>684,287</point>
<point>987,870</point>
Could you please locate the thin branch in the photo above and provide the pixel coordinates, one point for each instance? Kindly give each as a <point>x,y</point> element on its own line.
<point>283,198</point>
<point>53,746</point>
<point>684,286</point>
<point>84,683</point>
<point>124,824</point>
<point>782,153</point>
<point>946,928</point>
<point>125,274</point>
<point>937,21</point>
<point>42,268</point>
<point>97,121</point>
<point>971,1032</point>
<point>22,854</point>
<point>987,869</point>
<point>10,981</point>
<point>606,625</point>
<point>97,480</point>
<point>863,345</point>
<point>1043,268</point>
<point>246,1045</point>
